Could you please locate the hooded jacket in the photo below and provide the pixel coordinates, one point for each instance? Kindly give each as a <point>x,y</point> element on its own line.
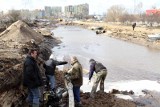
<point>50,66</point>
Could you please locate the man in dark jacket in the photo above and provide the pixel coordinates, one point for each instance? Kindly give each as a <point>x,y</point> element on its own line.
<point>32,78</point>
<point>133,25</point>
<point>50,66</point>
<point>76,77</point>
<point>101,73</point>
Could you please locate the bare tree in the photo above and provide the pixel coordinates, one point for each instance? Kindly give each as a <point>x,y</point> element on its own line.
<point>115,12</point>
<point>143,17</point>
<point>14,15</point>
<point>124,17</point>
<point>128,18</point>
<point>154,16</point>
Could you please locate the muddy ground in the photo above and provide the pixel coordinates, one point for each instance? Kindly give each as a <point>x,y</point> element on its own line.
<point>102,99</point>
<point>15,42</point>
<point>138,36</point>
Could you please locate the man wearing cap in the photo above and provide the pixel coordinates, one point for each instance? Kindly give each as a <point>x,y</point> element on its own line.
<point>101,73</point>
<point>76,77</point>
<point>50,66</point>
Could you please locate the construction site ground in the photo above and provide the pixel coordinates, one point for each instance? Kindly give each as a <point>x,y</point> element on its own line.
<point>19,37</point>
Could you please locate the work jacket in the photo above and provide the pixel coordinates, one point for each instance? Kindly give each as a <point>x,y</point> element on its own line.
<point>50,66</point>
<point>31,73</point>
<point>76,74</point>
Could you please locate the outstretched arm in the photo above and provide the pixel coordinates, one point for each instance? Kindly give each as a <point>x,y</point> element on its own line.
<point>59,62</point>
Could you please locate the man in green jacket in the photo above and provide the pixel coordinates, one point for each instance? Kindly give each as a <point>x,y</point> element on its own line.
<point>76,77</point>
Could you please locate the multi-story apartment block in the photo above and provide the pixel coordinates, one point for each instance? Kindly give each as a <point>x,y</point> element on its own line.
<point>37,14</point>
<point>56,11</point>
<point>48,11</point>
<point>53,11</point>
<point>69,11</point>
<point>78,11</point>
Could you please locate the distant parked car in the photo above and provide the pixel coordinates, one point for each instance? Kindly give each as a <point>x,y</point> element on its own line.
<point>100,30</point>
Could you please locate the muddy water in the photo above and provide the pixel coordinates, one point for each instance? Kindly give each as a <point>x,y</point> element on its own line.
<point>124,60</point>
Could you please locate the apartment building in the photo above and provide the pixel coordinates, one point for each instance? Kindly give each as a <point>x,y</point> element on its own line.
<point>77,11</point>
<point>53,11</point>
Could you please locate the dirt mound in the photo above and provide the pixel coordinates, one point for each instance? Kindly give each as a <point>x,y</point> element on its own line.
<point>44,32</point>
<point>20,32</point>
<point>10,69</point>
<point>101,99</point>
<point>15,42</point>
<point>10,79</point>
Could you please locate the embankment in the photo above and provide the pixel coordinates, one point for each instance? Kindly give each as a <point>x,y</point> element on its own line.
<point>126,33</point>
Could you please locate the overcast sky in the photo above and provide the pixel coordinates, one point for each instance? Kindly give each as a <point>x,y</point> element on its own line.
<point>96,6</point>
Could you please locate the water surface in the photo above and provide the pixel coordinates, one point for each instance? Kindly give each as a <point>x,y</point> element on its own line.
<point>124,60</point>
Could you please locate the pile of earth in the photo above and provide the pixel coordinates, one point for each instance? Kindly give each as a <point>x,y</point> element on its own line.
<point>15,42</point>
<point>20,32</point>
<point>101,99</point>
<point>15,37</point>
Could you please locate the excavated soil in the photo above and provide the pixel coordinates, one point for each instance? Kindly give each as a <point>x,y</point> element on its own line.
<point>20,33</point>
<point>15,42</point>
<point>101,99</point>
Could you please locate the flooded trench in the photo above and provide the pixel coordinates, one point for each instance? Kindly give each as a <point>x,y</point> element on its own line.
<point>124,60</point>
<point>130,66</point>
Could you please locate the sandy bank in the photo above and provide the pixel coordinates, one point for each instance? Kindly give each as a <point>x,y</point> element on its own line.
<point>138,36</point>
